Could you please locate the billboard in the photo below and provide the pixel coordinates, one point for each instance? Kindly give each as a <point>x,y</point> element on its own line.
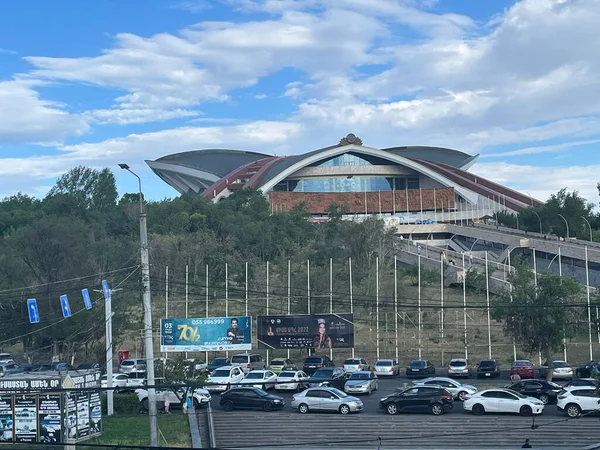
<point>306,331</point>
<point>206,334</point>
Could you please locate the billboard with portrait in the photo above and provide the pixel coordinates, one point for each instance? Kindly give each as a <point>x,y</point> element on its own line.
<point>209,334</point>
<point>306,331</point>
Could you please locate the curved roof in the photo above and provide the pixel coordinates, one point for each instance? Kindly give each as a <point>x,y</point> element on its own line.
<point>448,156</point>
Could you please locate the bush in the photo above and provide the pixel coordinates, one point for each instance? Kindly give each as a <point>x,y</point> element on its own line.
<point>123,403</point>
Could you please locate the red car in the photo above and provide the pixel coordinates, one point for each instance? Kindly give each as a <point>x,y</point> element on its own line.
<point>523,368</point>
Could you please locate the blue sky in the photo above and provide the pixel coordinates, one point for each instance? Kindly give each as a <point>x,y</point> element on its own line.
<point>106,82</point>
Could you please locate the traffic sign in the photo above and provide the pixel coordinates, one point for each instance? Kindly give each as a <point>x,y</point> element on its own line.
<point>34,314</point>
<point>105,289</point>
<point>64,303</point>
<point>86,299</point>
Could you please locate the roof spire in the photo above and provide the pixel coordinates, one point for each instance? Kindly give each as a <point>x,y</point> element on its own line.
<point>351,139</point>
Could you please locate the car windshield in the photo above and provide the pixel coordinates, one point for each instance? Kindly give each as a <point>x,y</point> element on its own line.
<point>279,362</point>
<point>128,363</point>
<point>359,376</point>
<point>560,364</point>
<point>239,359</point>
<point>417,364</point>
<point>313,361</point>
<point>458,363</point>
<point>219,361</point>
<point>487,363</point>
<point>338,393</point>
<point>220,373</point>
<point>521,363</point>
<point>323,374</point>
<point>255,376</point>
<point>384,363</point>
<point>287,374</point>
<point>352,361</point>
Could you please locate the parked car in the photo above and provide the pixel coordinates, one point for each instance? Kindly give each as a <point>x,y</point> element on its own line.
<point>582,382</point>
<point>523,368</point>
<point>6,357</point>
<point>488,368</point>
<point>248,361</point>
<point>361,382</point>
<point>278,365</point>
<point>561,370</point>
<point>218,362</point>
<point>200,397</point>
<point>544,390</point>
<point>420,368</point>
<point>197,364</point>
<point>458,367</point>
<point>222,379</point>
<point>262,379</point>
<point>587,370</point>
<point>328,376</point>
<point>356,364</point>
<point>577,400</point>
<point>326,399</point>
<point>132,365</point>
<point>89,366</point>
<point>250,398</point>
<point>504,401</point>
<point>458,391</point>
<point>387,368</point>
<point>119,380</point>
<point>294,380</point>
<point>8,368</point>
<point>418,398</point>
<point>136,379</point>
<point>314,363</point>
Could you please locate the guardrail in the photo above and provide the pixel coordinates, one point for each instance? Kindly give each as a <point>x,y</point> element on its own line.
<point>210,428</point>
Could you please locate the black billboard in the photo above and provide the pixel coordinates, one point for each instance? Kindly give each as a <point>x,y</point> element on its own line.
<point>306,331</point>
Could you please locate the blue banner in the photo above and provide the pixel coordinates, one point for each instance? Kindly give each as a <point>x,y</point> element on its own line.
<point>209,334</point>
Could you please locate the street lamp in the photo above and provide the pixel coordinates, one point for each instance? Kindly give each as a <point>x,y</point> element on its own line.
<point>538,216</point>
<point>566,223</point>
<point>147,315</point>
<point>591,235</point>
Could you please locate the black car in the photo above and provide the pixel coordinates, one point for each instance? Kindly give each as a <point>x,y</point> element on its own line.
<point>89,366</point>
<point>546,391</point>
<point>587,370</point>
<point>435,399</point>
<point>216,363</point>
<point>314,363</point>
<point>488,368</point>
<point>583,382</point>
<point>420,368</point>
<point>250,398</point>
<point>328,376</point>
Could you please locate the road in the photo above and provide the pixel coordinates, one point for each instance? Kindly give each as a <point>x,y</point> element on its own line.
<point>456,429</point>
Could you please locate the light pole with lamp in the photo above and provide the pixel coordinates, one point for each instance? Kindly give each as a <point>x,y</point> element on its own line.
<point>590,226</point>
<point>146,300</point>
<point>566,223</point>
<point>540,219</point>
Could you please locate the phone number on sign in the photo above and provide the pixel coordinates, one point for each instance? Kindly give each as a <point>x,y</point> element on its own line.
<point>208,322</point>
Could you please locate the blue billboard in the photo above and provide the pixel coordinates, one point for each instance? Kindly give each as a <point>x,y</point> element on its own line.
<point>211,334</point>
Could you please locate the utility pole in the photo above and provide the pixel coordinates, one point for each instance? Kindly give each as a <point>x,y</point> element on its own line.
<point>147,302</point>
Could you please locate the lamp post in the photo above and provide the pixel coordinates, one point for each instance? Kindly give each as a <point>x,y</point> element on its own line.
<point>566,223</point>
<point>146,299</point>
<point>590,226</point>
<point>539,218</point>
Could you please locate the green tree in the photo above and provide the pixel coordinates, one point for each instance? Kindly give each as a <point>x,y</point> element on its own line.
<point>538,316</point>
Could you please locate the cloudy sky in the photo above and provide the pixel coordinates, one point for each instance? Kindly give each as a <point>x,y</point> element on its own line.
<point>98,83</point>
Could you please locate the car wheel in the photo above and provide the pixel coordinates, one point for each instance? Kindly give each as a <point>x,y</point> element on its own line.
<point>573,410</point>
<point>145,404</point>
<point>478,410</point>
<point>526,411</point>
<point>344,409</point>
<point>462,395</point>
<point>268,406</point>
<point>228,406</point>
<point>391,409</point>
<point>303,408</point>
<point>437,409</point>
<point>544,399</point>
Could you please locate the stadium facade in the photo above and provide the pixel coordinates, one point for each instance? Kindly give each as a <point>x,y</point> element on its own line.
<point>409,183</point>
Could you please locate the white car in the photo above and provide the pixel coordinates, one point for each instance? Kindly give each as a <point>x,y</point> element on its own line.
<point>576,400</point>
<point>504,401</point>
<point>387,368</point>
<point>200,397</point>
<point>459,391</point>
<point>356,364</point>
<point>224,377</point>
<point>361,382</point>
<point>119,380</point>
<point>294,380</point>
<point>326,399</point>
<point>136,379</point>
<point>262,379</point>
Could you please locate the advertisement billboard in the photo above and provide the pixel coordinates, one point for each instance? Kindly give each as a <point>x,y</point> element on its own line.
<point>206,334</point>
<point>306,331</point>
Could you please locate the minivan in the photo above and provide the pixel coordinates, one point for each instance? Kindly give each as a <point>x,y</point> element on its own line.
<point>248,362</point>
<point>132,365</point>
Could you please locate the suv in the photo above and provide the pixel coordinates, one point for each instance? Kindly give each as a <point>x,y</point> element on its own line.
<point>488,368</point>
<point>574,401</point>
<point>356,364</point>
<point>434,398</point>
<point>248,362</point>
<point>132,365</point>
<point>314,363</point>
<point>328,376</point>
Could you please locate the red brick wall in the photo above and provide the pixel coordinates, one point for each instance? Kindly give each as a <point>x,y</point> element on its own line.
<point>318,202</point>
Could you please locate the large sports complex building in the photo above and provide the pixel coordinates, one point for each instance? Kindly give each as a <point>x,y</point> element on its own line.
<point>409,183</point>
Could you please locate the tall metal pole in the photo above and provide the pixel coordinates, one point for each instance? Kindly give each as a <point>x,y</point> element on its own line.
<point>587,285</point>
<point>331,294</point>
<point>226,290</point>
<point>109,353</point>
<point>246,294</point>
<point>442,305</point>
<point>560,275</point>
<point>267,303</point>
<point>166,299</point>
<point>187,296</point>
<point>588,223</point>
<point>487,294</point>
<point>308,283</point>
<point>566,223</point>
<point>465,305</point>
<point>377,302</point>
<point>396,302</point>
<point>535,284</point>
<point>206,307</point>
<point>510,290</point>
<point>289,293</point>
<point>419,278</point>
<point>351,301</point>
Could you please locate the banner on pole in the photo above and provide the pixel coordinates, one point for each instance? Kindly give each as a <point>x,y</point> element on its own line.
<point>306,331</point>
<point>209,334</point>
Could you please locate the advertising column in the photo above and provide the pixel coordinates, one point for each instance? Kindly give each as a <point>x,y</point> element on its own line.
<point>26,424</point>
<point>6,418</point>
<point>49,418</point>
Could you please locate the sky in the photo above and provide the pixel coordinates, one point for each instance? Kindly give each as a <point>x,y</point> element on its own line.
<point>102,83</point>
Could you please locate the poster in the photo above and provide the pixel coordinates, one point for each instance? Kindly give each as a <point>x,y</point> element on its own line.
<point>95,413</point>
<point>83,415</point>
<point>25,423</point>
<point>71,417</point>
<point>49,410</point>
<point>6,418</point>
<point>306,331</point>
<point>209,334</point>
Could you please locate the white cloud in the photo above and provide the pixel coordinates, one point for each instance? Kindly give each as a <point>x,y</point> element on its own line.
<point>126,116</point>
<point>556,148</point>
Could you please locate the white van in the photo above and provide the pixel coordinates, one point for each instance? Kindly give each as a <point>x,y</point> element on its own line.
<point>248,362</point>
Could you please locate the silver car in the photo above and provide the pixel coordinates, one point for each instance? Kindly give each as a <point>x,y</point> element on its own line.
<point>561,370</point>
<point>326,399</point>
<point>458,367</point>
<point>386,368</point>
<point>361,382</point>
<point>458,391</point>
<point>356,364</point>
